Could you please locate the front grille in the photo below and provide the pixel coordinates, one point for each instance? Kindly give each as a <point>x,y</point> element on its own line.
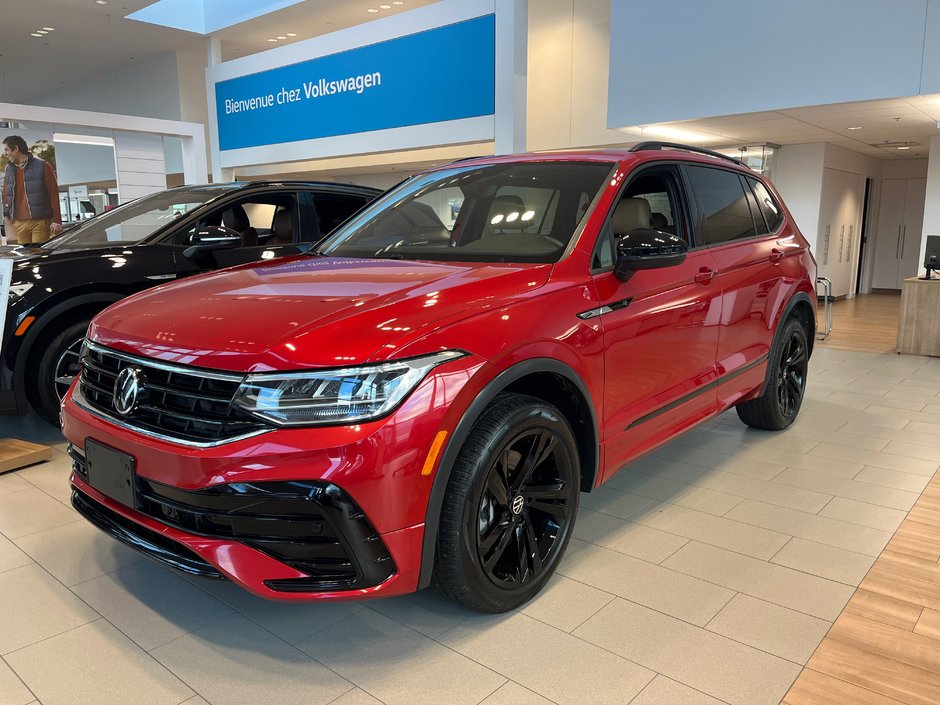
<point>312,526</point>
<point>186,404</point>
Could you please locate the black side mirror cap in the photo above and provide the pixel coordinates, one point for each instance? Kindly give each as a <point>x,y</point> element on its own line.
<point>210,239</point>
<point>645,248</point>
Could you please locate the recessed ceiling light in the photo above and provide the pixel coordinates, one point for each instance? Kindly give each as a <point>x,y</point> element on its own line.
<point>903,147</point>
<point>101,2</point>
<point>371,9</point>
<point>385,7</point>
<point>41,31</point>
<point>398,2</point>
<point>858,127</point>
<point>291,34</point>
<point>35,34</point>
<point>272,40</point>
<point>282,36</point>
<point>49,29</point>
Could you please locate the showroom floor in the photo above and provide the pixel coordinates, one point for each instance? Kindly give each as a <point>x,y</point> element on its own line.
<point>707,572</point>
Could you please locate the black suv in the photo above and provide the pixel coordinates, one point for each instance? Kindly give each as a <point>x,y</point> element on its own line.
<point>57,287</point>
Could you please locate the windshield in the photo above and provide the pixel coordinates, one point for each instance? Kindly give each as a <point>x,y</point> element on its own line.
<point>521,212</point>
<point>134,221</point>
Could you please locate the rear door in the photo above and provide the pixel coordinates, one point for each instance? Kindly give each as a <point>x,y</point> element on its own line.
<point>660,327</point>
<point>753,257</point>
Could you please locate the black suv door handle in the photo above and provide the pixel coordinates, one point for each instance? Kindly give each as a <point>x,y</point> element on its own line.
<point>705,275</point>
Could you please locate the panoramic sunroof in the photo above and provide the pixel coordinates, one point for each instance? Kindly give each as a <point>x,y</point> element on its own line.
<point>206,16</point>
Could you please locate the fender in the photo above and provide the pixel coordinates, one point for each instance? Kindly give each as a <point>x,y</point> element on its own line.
<point>103,299</point>
<point>799,296</point>
<point>465,425</point>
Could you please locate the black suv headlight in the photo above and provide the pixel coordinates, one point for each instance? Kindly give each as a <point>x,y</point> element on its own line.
<point>335,396</point>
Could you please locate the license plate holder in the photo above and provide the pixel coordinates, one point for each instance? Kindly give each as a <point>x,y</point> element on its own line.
<point>111,472</point>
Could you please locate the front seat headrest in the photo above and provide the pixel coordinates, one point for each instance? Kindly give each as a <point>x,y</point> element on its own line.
<point>630,214</point>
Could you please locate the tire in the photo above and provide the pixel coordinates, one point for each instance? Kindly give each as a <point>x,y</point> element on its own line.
<point>779,403</point>
<point>57,362</point>
<point>514,487</point>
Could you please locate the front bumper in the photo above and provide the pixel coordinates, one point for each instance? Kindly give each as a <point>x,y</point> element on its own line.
<point>292,514</point>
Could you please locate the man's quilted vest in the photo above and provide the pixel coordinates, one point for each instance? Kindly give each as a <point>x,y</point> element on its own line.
<point>34,177</point>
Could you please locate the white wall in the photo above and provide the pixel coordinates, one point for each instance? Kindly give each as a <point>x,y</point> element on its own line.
<point>798,176</point>
<point>684,59</point>
<point>932,204</point>
<point>146,89</point>
<point>905,169</point>
<point>569,54</point>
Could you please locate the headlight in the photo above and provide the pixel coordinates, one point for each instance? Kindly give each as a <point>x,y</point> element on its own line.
<point>334,397</point>
<point>17,290</point>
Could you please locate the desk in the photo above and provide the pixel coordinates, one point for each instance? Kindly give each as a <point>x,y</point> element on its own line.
<point>919,327</point>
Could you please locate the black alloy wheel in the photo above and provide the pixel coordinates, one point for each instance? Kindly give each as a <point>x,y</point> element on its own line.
<point>50,375</point>
<point>782,395</point>
<point>510,505</point>
<point>67,368</point>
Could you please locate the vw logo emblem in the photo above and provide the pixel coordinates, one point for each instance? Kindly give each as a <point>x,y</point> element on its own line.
<point>517,504</point>
<point>126,390</point>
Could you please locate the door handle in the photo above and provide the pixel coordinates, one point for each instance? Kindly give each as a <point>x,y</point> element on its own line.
<point>705,275</point>
<point>776,255</point>
<point>903,240</point>
<point>897,250</point>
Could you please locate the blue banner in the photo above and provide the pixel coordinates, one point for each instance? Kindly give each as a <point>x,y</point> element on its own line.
<point>446,73</point>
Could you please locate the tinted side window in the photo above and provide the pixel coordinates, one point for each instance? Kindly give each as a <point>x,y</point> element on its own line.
<point>725,213</point>
<point>759,223</point>
<point>332,209</point>
<point>773,214</point>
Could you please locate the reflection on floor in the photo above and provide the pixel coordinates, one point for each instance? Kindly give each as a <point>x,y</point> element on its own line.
<point>707,572</point>
<point>867,323</point>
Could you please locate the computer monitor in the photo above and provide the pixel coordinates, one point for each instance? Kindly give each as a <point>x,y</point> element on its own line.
<point>932,255</point>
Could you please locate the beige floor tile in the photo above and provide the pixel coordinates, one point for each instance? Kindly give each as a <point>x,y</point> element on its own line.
<point>839,438</point>
<point>825,561</point>
<point>12,690</point>
<point>883,460</point>
<point>32,510</point>
<point>52,477</point>
<point>831,532</point>
<point>11,482</point>
<point>514,694</point>
<point>849,489</point>
<point>292,622</point>
<point>151,604</point>
<point>663,691</point>
<point>867,426</point>
<point>77,552</point>
<point>236,662</point>
<point>928,431</point>
<point>398,665</point>
<point>683,495</point>
<point>525,651</point>
<point>96,665</point>
<point>857,400</point>
<point>11,556</point>
<point>919,416</point>
<point>765,491</point>
<point>35,606</point>
<point>614,502</point>
<point>894,479</point>
<point>708,662</point>
<point>565,604</point>
<point>910,450</point>
<point>777,584</point>
<point>771,628</point>
<point>865,514</point>
<point>627,537</point>
<point>748,467</point>
<point>662,466</point>
<point>427,612</point>
<point>197,700</point>
<point>803,461</point>
<point>356,696</point>
<point>674,593</point>
<point>717,531</point>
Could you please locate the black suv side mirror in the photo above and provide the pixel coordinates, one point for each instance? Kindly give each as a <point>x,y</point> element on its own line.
<point>210,239</point>
<point>645,248</point>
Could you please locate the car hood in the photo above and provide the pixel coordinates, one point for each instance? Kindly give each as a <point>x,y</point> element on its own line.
<point>307,311</point>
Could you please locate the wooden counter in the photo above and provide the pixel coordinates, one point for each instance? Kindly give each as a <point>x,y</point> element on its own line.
<point>919,326</point>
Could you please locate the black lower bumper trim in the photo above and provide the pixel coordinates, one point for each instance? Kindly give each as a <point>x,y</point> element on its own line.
<point>140,538</point>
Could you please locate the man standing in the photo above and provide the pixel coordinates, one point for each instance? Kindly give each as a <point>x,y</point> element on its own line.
<point>30,194</point>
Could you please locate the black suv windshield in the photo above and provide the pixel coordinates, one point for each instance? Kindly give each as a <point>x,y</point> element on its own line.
<point>519,212</point>
<point>132,222</point>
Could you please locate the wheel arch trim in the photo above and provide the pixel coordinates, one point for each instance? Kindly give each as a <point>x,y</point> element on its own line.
<point>462,431</point>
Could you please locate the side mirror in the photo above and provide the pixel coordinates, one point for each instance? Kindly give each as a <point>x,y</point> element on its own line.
<point>210,239</point>
<point>644,248</point>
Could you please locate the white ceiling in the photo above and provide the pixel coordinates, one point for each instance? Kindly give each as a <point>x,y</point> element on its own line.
<point>91,40</point>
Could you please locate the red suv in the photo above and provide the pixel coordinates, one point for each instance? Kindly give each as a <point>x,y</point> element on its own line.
<point>427,394</point>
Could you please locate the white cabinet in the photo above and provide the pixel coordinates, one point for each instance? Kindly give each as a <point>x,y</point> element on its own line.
<point>840,218</point>
<point>900,224</point>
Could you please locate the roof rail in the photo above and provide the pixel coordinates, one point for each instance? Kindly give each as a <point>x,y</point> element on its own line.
<point>643,146</point>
